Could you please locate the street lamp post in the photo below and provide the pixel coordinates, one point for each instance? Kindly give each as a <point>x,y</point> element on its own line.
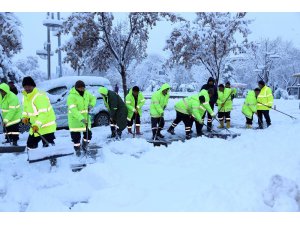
<point>52,25</point>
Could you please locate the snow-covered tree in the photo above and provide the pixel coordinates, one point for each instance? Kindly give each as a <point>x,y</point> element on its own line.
<point>98,43</point>
<point>275,61</point>
<point>149,74</point>
<point>30,67</point>
<point>209,40</point>
<point>10,43</point>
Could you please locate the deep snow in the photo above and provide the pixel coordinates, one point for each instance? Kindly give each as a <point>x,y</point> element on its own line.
<point>258,171</point>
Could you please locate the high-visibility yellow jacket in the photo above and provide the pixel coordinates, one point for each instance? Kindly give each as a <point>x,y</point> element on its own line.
<point>159,101</point>
<point>130,103</point>
<point>78,109</point>
<point>10,105</point>
<point>37,107</point>
<point>206,104</point>
<point>225,98</point>
<point>266,98</point>
<point>249,106</point>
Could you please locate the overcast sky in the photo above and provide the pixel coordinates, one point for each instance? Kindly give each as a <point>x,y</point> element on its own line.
<point>272,25</point>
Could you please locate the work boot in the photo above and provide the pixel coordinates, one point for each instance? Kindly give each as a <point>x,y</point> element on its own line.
<point>227,124</point>
<point>118,134</point>
<point>77,151</point>
<point>113,134</point>
<point>171,130</point>
<point>138,130</point>
<point>209,125</point>
<point>188,136</point>
<point>159,134</point>
<point>84,145</point>
<point>129,130</point>
<point>248,126</point>
<point>221,124</point>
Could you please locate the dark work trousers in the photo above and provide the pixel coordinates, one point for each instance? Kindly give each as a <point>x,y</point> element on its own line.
<point>187,120</point>
<point>12,132</point>
<point>137,119</point>
<point>199,126</point>
<point>114,129</point>
<point>157,125</point>
<point>249,121</point>
<point>76,137</point>
<point>32,142</point>
<point>260,114</point>
<point>209,118</point>
<point>221,116</point>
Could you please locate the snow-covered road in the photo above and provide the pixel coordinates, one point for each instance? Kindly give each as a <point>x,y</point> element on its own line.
<point>258,171</point>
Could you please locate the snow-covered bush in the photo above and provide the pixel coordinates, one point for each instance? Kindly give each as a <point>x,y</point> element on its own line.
<point>280,93</point>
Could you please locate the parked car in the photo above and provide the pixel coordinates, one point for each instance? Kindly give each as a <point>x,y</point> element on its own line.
<point>58,90</point>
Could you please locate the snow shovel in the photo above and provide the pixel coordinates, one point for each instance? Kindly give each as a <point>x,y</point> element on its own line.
<point>11,148</point>
<point>219,135</point>
<point>89,152</point>
<point>134,121</point>
<point>38,155</point>
<point>278,111</point>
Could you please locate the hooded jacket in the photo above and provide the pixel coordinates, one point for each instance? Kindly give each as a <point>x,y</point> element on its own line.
<point>10,105</point>
<point>207,86</point>
<point>78,109</point>
<point>159,101</point>
<point>116,107</point>
<point>250,105</point>
<point>130,103</point>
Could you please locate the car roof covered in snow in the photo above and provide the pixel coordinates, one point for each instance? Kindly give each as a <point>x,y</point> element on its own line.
<point>69,82</point>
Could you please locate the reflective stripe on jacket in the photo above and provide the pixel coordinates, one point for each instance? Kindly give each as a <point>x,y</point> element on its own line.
<point>10,105</point>
<point>265,97</point>
<point>225,98</point>
<point>249,106</point>
<point>159,101</point>
<point>130,103</point>
<point>37,107</point>
<point>206,104</point>
<point>78,109</point>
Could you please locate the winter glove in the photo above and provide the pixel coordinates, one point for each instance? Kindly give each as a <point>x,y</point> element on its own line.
<point>84,121</point>
<point>25,120</point>
<point>232,97</point>
<point>35,128</point>
<point>162,114</point>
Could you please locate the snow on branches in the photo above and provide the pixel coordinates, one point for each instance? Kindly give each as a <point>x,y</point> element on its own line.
<point>208,40</point>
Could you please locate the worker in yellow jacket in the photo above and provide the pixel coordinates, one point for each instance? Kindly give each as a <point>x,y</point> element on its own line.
<point>134,103</point>
<point>11,114</point>
<point>159,101</point>
<point>38,112</point>
<point>264,104</point>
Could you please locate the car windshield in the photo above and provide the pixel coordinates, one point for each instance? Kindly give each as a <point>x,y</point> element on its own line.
<point>57,90</point>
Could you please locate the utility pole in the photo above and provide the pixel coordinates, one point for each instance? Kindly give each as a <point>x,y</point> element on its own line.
<point>48,50</point>
<point>59,51</point>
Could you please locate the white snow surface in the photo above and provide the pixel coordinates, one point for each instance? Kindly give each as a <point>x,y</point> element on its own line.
<point>257,171</point>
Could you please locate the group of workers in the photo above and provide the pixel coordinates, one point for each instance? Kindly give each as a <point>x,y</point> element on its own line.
<point>37,111</point>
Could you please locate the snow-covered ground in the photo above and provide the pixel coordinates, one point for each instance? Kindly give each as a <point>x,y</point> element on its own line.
<point>257,171</point>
